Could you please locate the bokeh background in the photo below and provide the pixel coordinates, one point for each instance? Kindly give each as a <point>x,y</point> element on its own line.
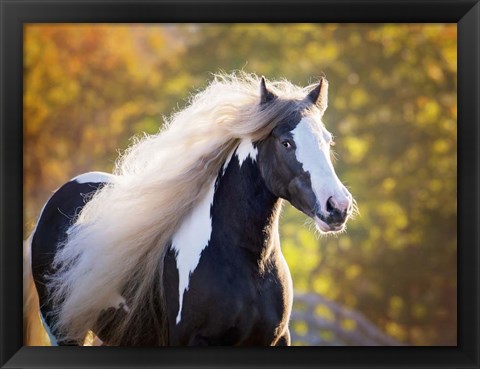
<point>391,279</point>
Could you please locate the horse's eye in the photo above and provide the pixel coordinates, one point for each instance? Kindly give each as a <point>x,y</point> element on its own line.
<point>286,144</point>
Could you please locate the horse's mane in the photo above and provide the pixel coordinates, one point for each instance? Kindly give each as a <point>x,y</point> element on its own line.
<point>118,241</point>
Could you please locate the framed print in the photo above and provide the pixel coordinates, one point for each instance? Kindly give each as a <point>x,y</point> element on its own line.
<point>240,174</point>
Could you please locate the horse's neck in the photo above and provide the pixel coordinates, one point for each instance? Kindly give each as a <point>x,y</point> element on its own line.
<point>244,207</point>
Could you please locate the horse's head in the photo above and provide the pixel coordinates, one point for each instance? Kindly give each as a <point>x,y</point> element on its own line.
<point>295,161</point>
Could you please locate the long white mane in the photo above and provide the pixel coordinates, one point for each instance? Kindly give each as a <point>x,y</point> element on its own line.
<point>118,241</point>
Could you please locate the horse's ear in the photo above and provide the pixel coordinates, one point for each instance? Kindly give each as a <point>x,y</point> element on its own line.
<point>319,95</point>
<point>265,95</point>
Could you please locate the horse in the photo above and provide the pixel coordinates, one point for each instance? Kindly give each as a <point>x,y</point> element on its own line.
<point>180,245</point>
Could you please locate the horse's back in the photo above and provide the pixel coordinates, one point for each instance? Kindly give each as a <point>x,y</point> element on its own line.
<point>56,218</point>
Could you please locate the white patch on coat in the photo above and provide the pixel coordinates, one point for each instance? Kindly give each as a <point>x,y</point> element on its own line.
<point>190,240</point>
<point>53,339</point>
<point>94,177</point>
<point>245,150</point>
<point>313,152</point>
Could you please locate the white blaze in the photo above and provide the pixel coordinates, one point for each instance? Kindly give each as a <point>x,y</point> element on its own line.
<point>190,240</point>
<point>313,152</point>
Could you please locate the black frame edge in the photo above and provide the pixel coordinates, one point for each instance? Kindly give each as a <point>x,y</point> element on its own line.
<point>14,14</point>
<point>469,139</point>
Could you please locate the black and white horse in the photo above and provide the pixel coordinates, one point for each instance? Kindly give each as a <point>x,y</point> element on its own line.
<point>181,246</point>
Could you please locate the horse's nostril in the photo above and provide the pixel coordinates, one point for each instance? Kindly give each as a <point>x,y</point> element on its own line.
<point>330,205</point>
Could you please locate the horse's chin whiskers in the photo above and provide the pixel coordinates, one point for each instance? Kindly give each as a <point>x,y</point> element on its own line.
<point>312,226</point>
<point>309,223</point>
<point>355,210</point>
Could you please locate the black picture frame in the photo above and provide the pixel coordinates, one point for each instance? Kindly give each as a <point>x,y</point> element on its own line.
<point>14,14</point>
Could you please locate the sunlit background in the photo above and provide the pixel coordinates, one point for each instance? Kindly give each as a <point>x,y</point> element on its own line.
<point>391,279</point>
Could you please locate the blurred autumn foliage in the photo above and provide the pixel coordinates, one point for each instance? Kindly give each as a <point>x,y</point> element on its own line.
<point>392,108</point>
